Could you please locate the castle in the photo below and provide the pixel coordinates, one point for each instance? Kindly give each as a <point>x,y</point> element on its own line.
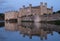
<point>30,10</point>
<point>40,10</point>
<point>11,15</point>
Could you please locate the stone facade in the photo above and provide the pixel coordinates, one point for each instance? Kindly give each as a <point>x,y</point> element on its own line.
<point>52,17</point>
<point>29,12</point>
<point>40,10</point>
<point>11,15</point>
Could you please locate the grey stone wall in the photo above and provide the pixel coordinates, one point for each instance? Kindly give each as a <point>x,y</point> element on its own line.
<point>51,17</point>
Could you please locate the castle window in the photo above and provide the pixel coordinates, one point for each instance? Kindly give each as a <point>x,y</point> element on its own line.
<point>49,13</point>
<point>44,14</point>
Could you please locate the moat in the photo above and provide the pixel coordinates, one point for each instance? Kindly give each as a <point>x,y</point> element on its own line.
<point>28,31</point>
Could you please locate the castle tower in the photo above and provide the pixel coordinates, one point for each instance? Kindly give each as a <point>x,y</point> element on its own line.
<point>45,8</point>
<point>46,4</point>
<point>30,8</point>
<point>23,6</point>
<point>23,9</point>
<point>30,5</point>
<point>41,8</point>
<point>41,3</point>
<point>51,9</point>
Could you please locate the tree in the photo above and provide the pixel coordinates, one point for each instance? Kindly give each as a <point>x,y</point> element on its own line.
<point>54,12</point>
<point>1,16</point>
<point>58,11</point>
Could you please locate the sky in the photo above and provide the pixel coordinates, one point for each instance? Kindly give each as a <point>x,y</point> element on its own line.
<point>15,5</point>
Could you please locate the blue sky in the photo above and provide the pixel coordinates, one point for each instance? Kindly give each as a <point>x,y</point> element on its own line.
<point>8,5</point>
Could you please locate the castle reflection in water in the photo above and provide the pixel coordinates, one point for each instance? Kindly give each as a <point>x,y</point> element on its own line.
<point>33,29</point>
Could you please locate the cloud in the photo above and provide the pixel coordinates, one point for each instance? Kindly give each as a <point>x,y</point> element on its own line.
<point>7,9</point>
<point>2,2</point>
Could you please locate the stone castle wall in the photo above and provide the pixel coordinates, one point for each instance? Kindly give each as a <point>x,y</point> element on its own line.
<point>51,17</point>
<point>40,10</point>
<point>27,11</point>
<point>11,15</point>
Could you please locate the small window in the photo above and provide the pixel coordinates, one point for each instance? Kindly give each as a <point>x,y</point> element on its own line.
<point>45,14</point>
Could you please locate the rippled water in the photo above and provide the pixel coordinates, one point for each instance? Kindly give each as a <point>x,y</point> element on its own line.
<point>28,31</point>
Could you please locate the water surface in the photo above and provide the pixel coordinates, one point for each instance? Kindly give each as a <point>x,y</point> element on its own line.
<point>28,31</point>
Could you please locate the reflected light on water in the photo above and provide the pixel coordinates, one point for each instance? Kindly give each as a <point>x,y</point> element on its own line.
<point>41,30</point>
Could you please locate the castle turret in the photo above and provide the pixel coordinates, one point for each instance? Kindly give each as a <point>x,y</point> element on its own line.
<point>52,9</point>
<point>30,8</point>
<point>41,8</point>
<point>23,6</point>
<point>30,5</point>
<point>41,3</point>
<point>45,4</point>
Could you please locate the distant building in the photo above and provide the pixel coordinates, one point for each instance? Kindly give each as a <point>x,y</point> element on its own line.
<point>40,10</point>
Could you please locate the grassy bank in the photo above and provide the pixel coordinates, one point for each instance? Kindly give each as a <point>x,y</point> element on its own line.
<point>56,22</point>
<point>27,21</point>
<point>2,24</point>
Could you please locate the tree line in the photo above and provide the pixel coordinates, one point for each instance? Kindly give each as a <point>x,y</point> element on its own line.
<point>56,12</point>
<point>1,16</point>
